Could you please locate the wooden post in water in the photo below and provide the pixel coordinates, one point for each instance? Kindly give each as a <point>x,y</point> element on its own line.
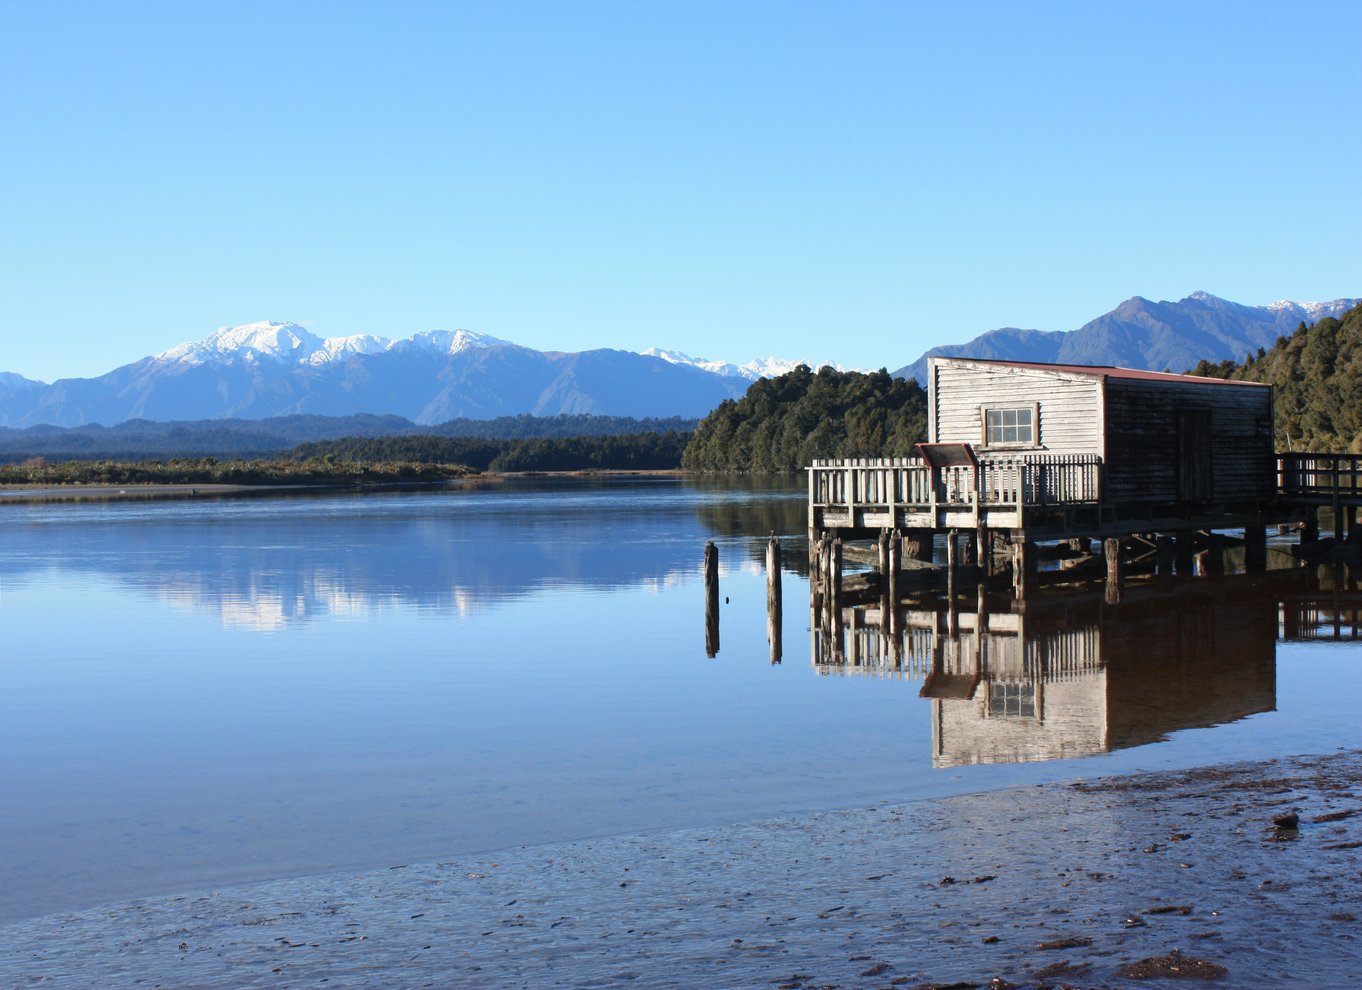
<point>1310,528</point>
<point>1184,549</point>
<point>1215,554</point>
<point>711,599</point>
<point>952,559</point>
<point>892,578</point>
<point>834,597</point>
<point>1112,549</point>
<point>1255,548</point>
<point>774,615</point>
<point>917,543</point>
<point>884,592</point>
<point>895,565</point>
<point>1023,566</point>
<point>1164,546</point>
<point>1338,501</point>
<point>816,574</point>
<point>983,550</point>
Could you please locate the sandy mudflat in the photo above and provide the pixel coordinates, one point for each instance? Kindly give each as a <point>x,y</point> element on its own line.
<point>66,493</point>
<point>1174,879</point>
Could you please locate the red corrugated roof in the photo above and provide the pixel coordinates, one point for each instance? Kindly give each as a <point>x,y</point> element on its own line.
<point>1103,371</point>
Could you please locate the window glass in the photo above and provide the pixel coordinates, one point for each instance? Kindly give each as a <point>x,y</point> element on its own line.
<point>1011,700</point>
<point>1013,425</point>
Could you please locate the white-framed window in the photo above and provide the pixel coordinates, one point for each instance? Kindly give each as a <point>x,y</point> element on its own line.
<point>1009,700</point>
<point>1011,426</point>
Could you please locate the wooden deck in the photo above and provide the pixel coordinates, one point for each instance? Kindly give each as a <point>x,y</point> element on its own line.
<point>1060,493</point>
<point>889,493</point>
<point>1320,477</point>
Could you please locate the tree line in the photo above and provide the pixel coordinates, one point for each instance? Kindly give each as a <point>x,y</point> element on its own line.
<point>211,471</point>
<point>783,423</point>
<point>626,452</point>
<point>1317,374</point>
<point>268,438</point>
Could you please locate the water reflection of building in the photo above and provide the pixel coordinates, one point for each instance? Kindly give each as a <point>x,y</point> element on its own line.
<point>1328,608</point>
<point>1075,678</point>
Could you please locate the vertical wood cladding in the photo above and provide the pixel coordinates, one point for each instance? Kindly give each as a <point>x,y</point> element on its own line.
<point>1162,441</point>
<point>1192,441</point>
<point>1069,405</point>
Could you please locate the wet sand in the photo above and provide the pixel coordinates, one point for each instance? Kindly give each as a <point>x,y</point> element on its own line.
<point>1170,879</point>
<point>104,493</point>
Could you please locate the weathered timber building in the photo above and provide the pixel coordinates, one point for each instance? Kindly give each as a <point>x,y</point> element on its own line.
<point>1163,439</point>
<point>1023,452</point>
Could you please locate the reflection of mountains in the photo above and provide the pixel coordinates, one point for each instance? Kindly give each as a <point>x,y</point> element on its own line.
<point>1078,679</point>
<point>265,562</point>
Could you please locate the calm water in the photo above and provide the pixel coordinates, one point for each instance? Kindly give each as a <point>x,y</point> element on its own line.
<point>198,692</point>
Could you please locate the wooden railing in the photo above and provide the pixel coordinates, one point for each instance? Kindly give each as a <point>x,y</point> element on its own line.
<point>1323,475</point>
<point>909,482</point>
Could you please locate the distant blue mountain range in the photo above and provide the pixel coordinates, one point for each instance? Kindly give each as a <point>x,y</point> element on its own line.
<point>1155,336</point>
<point>261,370</point>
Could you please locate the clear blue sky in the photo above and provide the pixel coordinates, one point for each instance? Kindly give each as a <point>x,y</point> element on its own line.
<point>839,180</point>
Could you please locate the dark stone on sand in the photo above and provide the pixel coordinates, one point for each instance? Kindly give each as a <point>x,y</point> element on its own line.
<point>1066,943</point>
<point>1286,820</point>
<point>1174,966</point>
<point>1063,968</point>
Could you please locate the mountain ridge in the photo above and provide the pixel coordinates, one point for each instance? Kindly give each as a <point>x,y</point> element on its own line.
<point>269,369</point>
<point>1143,334</point>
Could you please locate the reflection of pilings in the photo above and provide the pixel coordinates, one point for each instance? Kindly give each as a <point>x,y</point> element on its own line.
<point>886,592</point>
<point>773,603</point>
<point>834,596</point>
<point>711,599</point>
<point>892,594</point>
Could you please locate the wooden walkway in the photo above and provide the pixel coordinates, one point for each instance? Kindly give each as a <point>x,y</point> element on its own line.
<point>1049,494</point>
<point>1012,503</point>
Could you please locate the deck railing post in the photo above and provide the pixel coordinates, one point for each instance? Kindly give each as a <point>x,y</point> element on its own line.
<point>1337,500</point>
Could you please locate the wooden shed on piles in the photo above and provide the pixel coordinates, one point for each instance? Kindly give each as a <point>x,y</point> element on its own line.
<point>1164,439</point>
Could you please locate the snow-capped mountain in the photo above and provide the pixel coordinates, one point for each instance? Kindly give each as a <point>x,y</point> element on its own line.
<point>291,343</point>
<point>265,369</point>
<point>1148,335</point>
<point>760,368</point>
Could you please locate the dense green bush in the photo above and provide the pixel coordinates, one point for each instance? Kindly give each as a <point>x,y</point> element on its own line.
<point>1317,374</point>
<point>209,470</point>
<point>783,423</point>
<point>630,452</point>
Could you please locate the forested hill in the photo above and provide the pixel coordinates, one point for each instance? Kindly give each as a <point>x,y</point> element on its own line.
<point>783,423</point>
<point>1317,372</point>
<point>142,439</point>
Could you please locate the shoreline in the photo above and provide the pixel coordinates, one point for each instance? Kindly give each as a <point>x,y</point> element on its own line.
<point>1065,884</point>
<point>79,491</point>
